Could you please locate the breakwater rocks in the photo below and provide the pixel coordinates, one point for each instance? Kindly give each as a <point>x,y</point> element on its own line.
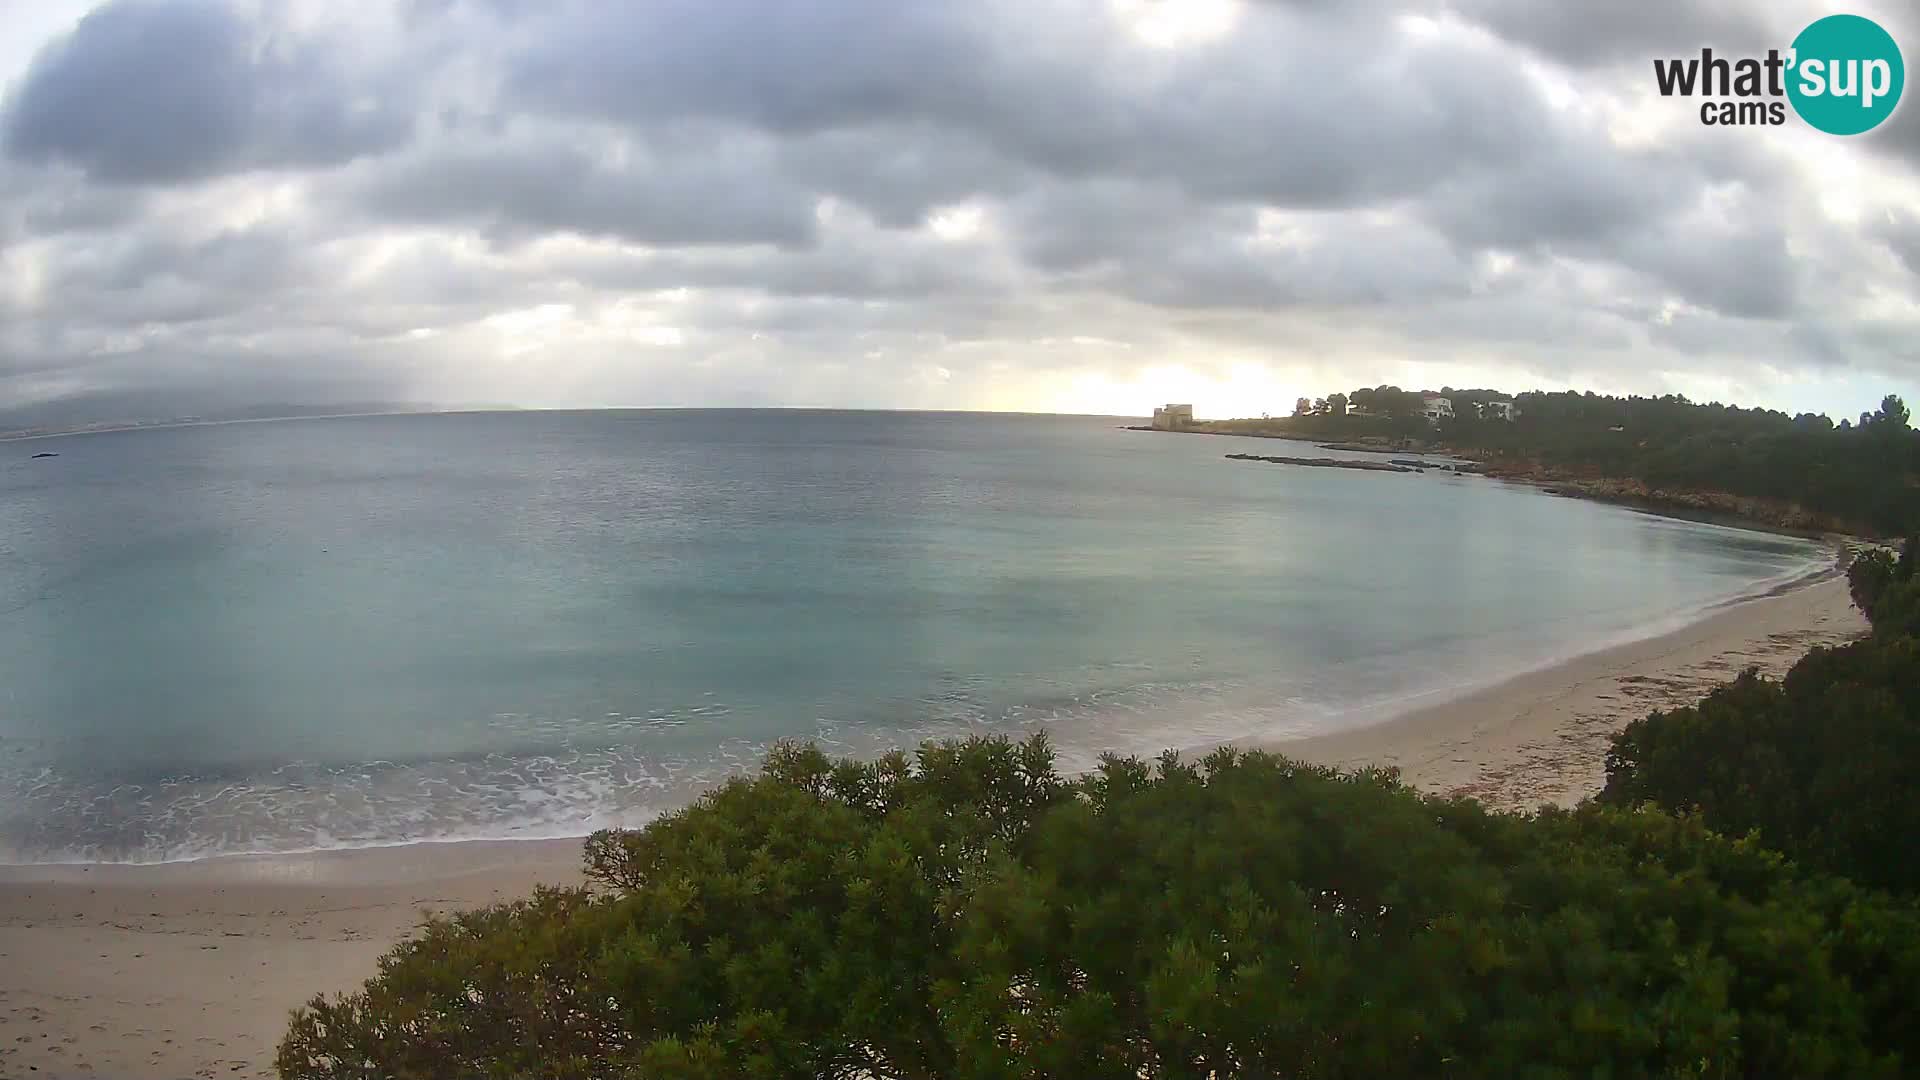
<point>1399,465</point>
<point>1324,463</point>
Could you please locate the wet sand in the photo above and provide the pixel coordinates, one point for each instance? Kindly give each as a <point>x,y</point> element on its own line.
<point>1542,737</point>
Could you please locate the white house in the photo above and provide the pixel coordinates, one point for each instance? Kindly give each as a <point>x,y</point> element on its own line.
<point>1435,407</point>
<point>1498,410</point>
<point>1173,417</point>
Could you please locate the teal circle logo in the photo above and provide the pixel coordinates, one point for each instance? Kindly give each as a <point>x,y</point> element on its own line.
<point>1846,75</point>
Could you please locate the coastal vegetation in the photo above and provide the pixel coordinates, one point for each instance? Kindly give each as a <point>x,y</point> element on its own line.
<point>969,911</point>
<point>1860,476</point>
<point>1818,765</point>
<point>1888,589</point>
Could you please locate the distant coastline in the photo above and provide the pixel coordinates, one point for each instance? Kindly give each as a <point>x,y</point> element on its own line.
<point>107,427</point>
<point>1691,504</point>
<point>22,434</point>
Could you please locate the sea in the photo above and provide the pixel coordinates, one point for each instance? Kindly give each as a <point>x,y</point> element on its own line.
<point>314,634</point>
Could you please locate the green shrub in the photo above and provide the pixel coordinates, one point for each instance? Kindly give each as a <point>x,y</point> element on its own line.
<point>1819,765</point>
<point>970,913</point>
<point>1887,590</point>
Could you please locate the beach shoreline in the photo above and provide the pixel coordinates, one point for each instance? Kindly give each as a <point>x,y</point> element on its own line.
<point>190,968</point>
<point>1540,737</point>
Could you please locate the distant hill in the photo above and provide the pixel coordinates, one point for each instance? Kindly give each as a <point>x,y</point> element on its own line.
<point>1805,471</point>
<point>92,412</point>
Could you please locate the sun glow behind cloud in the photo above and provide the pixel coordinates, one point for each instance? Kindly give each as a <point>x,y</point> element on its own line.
<point>1175,23</point>
<point>1244,389</point>
<point>957,222</point>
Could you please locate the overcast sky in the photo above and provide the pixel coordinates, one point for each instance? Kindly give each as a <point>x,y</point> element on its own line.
<point>1048,205</point>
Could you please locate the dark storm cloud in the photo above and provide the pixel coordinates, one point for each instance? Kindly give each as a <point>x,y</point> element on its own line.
<point>1071,227</point>
<point>1567,193</point>
<point>1513,321</point>
<point>1588,33</point>
<point>1899,137</point>
<point>157,279</point>
<point>1297,110</point>
<point>1903,239</point>
<point>898,174</point>
<point>855,268</point>
<point>519,188</point>
<point>1323,114</point>
<point>150,92</point>
<point>791,68</point>
<point>1154,246</point>
<point>1643,210</point>
<point>1694,262</point>
<point>1628,31</point>
<point>43,203</point>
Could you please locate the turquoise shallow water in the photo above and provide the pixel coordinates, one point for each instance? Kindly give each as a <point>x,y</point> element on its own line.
<point>335,633</point>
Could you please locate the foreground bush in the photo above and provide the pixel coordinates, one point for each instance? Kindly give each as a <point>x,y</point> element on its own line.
<point>1888,590</point>
<point>972,914</point>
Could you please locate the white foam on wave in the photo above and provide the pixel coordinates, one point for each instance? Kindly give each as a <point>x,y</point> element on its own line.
<point>302,808</point>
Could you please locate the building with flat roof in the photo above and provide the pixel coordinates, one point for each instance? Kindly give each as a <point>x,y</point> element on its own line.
<point>1173,417</point>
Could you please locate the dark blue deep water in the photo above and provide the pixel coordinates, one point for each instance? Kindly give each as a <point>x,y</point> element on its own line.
<point>332,633</point>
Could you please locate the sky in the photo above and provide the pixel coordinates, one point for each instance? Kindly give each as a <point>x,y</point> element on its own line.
<point>1037,205</point>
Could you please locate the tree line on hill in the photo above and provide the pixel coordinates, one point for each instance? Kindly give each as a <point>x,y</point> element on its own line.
<point>1863,474</point>
<point>970,912</point>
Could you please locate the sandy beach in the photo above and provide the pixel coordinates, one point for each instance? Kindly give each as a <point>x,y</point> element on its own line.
<point>190,969</point>
<point>1542,737</point>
